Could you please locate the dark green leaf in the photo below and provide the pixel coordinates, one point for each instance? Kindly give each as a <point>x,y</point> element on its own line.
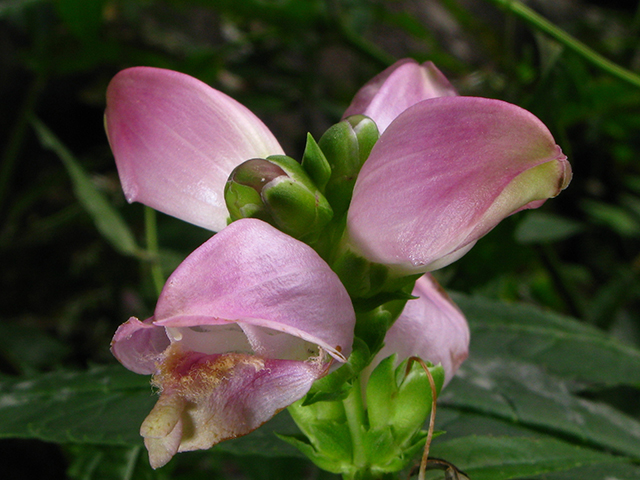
<point>524,394</point>
<point>562,345</point>
<point>502,458</point>
<point>104,405</point>
<point>91,462</point>
<point>82,17</point>
<point>616,471</point>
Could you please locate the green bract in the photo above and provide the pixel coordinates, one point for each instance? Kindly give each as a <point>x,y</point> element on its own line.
<point>387,431</point>
<point>346,146</point>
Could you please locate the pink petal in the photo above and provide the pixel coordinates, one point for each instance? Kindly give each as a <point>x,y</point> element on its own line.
<point>445,173</point>
<point>139,345</point>
<point>397,88</point>
<point>430,327</point>
<point>176,140</point>
<point>257,277</point>
<point>206,399</point>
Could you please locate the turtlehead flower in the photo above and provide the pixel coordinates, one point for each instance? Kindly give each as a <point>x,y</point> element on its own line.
<point>241,330</point>
<point>444,172</point>
<point>431,327</point>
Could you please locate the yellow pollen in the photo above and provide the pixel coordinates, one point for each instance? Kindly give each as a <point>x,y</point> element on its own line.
<point>201,377</point>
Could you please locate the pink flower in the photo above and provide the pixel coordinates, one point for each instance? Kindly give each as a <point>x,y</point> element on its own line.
<point>176,141</point>
<point>444,172</point>
<point>397,88</point>
<point>431,327</point>
<point>241,330</point>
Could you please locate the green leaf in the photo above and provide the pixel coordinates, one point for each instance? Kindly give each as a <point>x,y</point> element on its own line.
<point>614,217</point>
<point>615,471</point>
<point>104,405</point>
<point>91,462</point>
<point>561,344</point>
<point>109,223</point>
<point>542,227</point>
<point>524,393</point>
<point>502,458</point>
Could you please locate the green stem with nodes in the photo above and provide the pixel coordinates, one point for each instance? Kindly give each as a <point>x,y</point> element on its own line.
<point>151,236</point>
<point>537,21</point>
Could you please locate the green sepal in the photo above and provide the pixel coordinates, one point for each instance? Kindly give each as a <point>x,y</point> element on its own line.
<point>380,448</point>
<point>328,440</point>
<point>413,403</point>
<point>401,398</point>
<point>381,391</point>
<point>316,164</point>
<point>346,145</point>
<point>369,284</point>
<point>323,462</point>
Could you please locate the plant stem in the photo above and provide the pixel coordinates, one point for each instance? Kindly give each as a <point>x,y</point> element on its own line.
<point>354,410</point>
<point>151,236</point>
<point>537,21</point>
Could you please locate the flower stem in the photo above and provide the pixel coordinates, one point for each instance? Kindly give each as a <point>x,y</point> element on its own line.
<point>537,21</point>
<point>354,410</point>
<point>151,236</point>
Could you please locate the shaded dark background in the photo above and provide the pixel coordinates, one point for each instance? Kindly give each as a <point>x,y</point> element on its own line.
<point>296,64</point>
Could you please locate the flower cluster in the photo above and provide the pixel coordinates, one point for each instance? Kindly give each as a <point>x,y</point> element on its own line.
<point>406,183</point>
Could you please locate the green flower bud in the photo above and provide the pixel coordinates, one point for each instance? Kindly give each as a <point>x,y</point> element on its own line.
<point>278,191</point>
<point>315,163</point>
<point>242,192</point>
<point>346,146</point>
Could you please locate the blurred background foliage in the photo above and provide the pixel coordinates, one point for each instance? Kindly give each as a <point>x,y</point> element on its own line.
<point>66,285</point>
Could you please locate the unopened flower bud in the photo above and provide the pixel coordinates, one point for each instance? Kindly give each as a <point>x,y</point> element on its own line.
<point>278,191</point>
<point>346,146</point>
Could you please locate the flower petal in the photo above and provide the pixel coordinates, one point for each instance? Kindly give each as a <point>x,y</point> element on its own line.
<point>397,88</point>
<point>138,345</point>
<point>256,276</point>
<point>206,399</point>
<point>176,140</point>
<point>431,327</point>
<point>444,174</point>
